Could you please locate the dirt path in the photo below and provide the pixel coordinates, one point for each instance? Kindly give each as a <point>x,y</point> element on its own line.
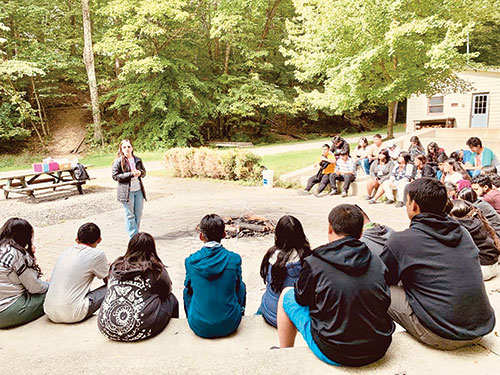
<point>68,128</point>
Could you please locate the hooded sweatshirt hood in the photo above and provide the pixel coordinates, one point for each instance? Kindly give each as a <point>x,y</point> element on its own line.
<point>375,236</point>
<point>210,262</point>
<point>442,228</point>
<point>348,254</point>
<point>378,233</point>
<point>122,275</point>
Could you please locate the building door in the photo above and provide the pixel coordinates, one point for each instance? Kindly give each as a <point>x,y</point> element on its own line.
<point>480,104</point>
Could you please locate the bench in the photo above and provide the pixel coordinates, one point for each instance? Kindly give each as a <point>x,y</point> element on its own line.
<point>27,182</point>
<point>233,144</point>
<point>39,186</point>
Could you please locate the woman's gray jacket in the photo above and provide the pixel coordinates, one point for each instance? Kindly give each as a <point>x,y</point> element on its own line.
<point>124,175</point>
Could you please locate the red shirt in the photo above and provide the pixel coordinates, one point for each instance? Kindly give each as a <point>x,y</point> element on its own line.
<point>493,198</point>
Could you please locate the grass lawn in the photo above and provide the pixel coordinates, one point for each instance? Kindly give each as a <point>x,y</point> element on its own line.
<point>280,163</point>
<point>290,161</point>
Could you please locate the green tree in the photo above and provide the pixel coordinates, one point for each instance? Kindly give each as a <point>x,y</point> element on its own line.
<point>376,52</point>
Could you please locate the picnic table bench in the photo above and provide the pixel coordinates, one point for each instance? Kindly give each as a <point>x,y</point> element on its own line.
<point>232,144</point>
<point>27,182</point>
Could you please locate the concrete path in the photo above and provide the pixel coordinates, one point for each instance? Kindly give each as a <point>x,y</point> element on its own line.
<point>301,146</point>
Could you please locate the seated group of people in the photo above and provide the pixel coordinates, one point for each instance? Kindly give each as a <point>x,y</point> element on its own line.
<point>390,173</point>
<point>343,297</point>
<point>390,169</point>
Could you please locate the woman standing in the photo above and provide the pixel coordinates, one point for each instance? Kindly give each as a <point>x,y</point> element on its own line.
<point>22,293</point>
<point>281,265</point>
<point>139,302</point>
<point>128,171</point>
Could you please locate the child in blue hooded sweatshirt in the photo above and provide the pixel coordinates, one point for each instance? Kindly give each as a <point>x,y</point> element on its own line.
<point>214,292</point>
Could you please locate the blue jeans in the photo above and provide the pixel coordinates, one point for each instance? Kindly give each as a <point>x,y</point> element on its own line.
<point>133,212</point>
<point>299,316</point>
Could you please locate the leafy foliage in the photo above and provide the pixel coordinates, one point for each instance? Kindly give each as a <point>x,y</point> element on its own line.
<point>203,162</point>
<point>180,72</point>
<point>374,52</point>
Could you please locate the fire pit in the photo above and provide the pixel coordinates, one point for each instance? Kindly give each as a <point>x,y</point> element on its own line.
<point>248,226</point>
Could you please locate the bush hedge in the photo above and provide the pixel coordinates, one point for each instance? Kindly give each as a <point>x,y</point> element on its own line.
<point>205,162</point>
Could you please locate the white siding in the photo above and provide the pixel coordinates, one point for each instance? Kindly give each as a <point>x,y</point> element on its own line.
<point>483,82</point>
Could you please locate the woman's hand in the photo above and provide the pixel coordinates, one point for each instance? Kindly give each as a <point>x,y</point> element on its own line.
<point>136,173</point>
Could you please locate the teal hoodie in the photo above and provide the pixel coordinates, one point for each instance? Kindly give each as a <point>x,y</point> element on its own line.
<point>214,292</point>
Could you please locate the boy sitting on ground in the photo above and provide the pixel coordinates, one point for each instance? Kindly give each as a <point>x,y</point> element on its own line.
<point>346,171</point>
<point>441,300</point>
<point>484,188</point>
<point>214,292</point>
<point>324,176</point>
<point>340,301</point>
<point>69,299</point>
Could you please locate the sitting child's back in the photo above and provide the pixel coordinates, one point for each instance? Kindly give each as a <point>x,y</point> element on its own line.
<point>69,299</point>
<point>214,293</point>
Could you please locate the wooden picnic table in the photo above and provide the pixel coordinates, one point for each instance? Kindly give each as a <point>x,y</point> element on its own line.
<point>27,182</point>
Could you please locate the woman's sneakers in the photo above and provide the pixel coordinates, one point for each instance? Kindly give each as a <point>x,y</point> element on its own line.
<point>372,201</point>
<point>389,201</point>
<point>399,204</point>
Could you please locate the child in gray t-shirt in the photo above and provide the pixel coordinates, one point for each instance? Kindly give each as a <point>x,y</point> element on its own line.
<point>69,298</point>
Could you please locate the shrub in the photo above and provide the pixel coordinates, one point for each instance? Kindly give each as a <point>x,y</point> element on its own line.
<point>217,164</point>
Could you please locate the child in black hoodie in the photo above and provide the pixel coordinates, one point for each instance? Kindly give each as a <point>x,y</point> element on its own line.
<point>442,300</point>
<point>340,301</point>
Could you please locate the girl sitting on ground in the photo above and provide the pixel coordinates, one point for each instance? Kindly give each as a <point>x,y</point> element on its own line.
<point>422,168</point>
<point>22,292</point>
<point>453,172</point>
<point>433,152</point>
<point>380,171</point>
<point>401,175</point>
<point>416,147</point>
<point>139,301</point>
<point>361,155</point>
<point>282,263</point>
<point>493,217</point>
<point>482,233</point>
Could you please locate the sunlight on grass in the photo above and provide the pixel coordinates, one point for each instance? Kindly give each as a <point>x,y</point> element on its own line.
<point>280,163</point>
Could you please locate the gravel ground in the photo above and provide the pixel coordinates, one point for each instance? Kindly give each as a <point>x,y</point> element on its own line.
<point>57,207</point>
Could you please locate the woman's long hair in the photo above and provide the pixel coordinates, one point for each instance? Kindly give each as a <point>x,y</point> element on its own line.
<point>458,168</point>
<point>18,233</point>
<point>365,142</point>
<point>123,159</point>
<point>464,209</point>
<point>467,194</point>
<point>384,152</point>
<point>416,140</point>
<point>141,255</point>
<point>288,236</point>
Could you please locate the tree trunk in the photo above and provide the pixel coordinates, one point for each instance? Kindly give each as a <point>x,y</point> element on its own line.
<point>45,133</point>
<point>88,59</point>
<point>391,119</point>
<point>226,60</point>
<point>270,15</point>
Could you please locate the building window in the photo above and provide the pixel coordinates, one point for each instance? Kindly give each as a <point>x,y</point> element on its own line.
<point>436,104</point>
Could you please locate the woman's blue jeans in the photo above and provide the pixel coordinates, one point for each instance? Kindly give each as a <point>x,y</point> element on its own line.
<point>133,212</point>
